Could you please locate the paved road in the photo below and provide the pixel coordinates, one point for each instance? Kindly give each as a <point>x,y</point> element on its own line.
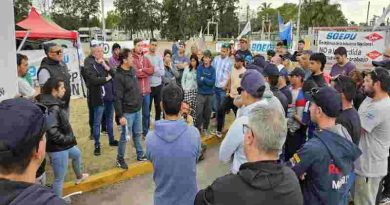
<point>139,191</point>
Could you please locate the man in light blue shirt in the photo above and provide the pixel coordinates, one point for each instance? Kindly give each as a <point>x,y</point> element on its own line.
<point>223,68</point>
<point>156,78</point>
<point>253,87</point>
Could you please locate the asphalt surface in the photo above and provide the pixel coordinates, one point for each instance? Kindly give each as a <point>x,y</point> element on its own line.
<point>139,191</point>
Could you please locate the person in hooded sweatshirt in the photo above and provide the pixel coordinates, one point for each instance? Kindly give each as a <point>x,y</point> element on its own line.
<point>22,150</point>
<point>325,163</point>
<point>174,148</point>
<point>263,179</point>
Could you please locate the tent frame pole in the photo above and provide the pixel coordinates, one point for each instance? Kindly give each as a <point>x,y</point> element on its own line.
<point>23,41</point>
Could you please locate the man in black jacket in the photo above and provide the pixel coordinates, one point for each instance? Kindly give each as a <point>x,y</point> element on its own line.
<point>97,74</point>
<point>263,180</point>
<point>22,149</point>
<point>128,105</point>
<point>53,66</point>
<point>271,74</point>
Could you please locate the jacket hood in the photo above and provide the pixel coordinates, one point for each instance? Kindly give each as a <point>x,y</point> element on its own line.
<point>23,193</point>
<point>126,72</point>
<point>169,131</point>
<point>48,61</point>
<point>264,175</point>
<point>342,150</point>
<point>49,100</point>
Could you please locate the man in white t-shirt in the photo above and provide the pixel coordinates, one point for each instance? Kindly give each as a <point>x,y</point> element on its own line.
<point>24,88</point>
<point>371,167</point>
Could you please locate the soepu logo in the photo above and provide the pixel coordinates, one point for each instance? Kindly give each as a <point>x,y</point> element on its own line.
<point>341,36</point>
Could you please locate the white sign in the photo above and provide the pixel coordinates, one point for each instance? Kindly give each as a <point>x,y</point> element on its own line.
<point>362,47</point>
<point>8,77</point>
<point>107,46</point>
<point>262,46</point>
<point>70,59</point>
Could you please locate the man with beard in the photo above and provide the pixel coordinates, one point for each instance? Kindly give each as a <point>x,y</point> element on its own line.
<point>371,167</point>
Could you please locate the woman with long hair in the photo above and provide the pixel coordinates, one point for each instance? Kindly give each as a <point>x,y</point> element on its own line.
<point>190,85</point>
<point>61,142</point>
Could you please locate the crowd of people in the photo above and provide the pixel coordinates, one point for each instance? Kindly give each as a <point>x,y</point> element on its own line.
<point>301,135</point>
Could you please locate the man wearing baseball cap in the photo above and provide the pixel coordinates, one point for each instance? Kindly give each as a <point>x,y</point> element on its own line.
<point>325,163</point>
<point>244,50</point>
<point>252,90</point>
<point>271,74</point>
<point>22,150</point>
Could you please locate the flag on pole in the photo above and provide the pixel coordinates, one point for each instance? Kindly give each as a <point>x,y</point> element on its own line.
<point>285,30</point>
<point>201,32</point>
<point>246,30</point>
<point>382,18</point>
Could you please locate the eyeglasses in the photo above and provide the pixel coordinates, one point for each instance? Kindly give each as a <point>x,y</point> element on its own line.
<point>387,56</point>
<point>57,52</point>
<point>246,128</point>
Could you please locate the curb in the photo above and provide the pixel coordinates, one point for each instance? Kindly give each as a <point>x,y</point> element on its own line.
<point>116,175</point>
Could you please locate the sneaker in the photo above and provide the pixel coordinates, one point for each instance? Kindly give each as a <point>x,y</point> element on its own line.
<point>96,152</point>
<point>83,177</point>
<point>213,115</point>
<point>121,163</point>
<point>142,159</point>
<point>385,199</point>
<point>67,200</point>
<point>114,143</point>
<point>218,134</point>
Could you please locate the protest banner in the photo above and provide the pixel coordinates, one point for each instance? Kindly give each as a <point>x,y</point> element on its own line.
<point>107,46</point>
<point>261,46</point>
<point>70,59</point>
<point>362,47</point>
<point>8,77</point>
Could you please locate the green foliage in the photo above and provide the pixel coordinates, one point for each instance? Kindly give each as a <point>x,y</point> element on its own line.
<point>73,14</point>
<point>22,8</point>
<point>113,20</point>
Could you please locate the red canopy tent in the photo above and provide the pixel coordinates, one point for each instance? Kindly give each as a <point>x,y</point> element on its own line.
<point>40,28</point>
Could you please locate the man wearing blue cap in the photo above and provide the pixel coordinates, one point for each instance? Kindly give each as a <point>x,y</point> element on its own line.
<point>22,150</point>
<point>271,74</point>
<point>325,163</point>
<point>252,89</point>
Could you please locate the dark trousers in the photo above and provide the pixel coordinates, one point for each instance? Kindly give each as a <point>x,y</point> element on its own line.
<point>203,110</point>
<point>155,97</point>
<point>90,115</point>
<point>104,122</point>
<point>294,142</point>
<point>386,184</point>
<point>227,104</point>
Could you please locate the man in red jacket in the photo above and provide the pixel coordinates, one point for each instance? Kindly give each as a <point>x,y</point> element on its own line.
<point>144,69</point>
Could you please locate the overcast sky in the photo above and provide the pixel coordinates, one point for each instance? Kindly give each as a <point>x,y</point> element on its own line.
<point>354,10</point>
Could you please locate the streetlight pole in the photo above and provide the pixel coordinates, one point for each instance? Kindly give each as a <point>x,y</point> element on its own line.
<point>299,20</point>
<point>103,23</point>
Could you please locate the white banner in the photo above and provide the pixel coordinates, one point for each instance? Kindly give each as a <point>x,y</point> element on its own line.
<point>70,59</point>
<point>262,46</point>
<point>8,77</point>
<point>362,47</point>
<point>107,46</point>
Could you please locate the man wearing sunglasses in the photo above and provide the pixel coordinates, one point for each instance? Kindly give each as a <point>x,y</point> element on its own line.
<point>263,179</point>
<point>325,162</point>
<point>372,166</point>
<point>22,150</point>
<point>52,66</point>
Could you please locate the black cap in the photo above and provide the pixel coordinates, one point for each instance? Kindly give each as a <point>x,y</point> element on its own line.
<point>298,72</point>
<point>20,118</point>
<point>328,99</point>
<point>239,57</point>
<point>384,64</point>
<point>271,70</point>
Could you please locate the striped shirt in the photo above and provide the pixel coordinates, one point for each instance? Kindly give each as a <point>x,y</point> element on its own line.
<point>223,69</point>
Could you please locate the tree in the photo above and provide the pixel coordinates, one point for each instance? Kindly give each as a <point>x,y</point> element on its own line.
<point>21,8</point>
<point>322,13</point>
<point>152,15</point>
<point>113,20</point>
<point>72,14</point>
<point>132,14</point>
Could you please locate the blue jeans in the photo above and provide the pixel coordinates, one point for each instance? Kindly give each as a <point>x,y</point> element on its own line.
<point>109,113</point>
<point>219,96</point>
<point>133,128</point>
<point>97,119</point>
<point>145,114</point>
<point>59,162</point>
